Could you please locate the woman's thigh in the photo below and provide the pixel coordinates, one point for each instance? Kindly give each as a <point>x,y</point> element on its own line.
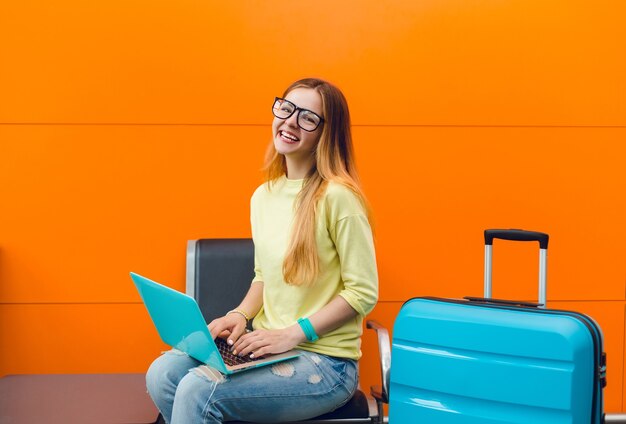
<point>305,387</point>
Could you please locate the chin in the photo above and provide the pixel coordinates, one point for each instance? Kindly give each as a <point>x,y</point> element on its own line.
<point>283,148</point>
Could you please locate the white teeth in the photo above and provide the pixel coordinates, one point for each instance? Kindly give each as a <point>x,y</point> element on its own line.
<point>289,136</point>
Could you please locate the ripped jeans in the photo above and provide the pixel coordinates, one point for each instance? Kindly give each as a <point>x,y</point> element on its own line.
<point>187,391</point>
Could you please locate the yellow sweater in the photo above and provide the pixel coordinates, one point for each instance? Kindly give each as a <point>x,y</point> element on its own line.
<point>346,256</point>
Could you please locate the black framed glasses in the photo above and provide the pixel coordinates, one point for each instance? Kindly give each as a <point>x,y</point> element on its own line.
<point>307,119</point>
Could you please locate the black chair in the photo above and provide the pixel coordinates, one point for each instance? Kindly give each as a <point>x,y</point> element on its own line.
<point>219,272</point>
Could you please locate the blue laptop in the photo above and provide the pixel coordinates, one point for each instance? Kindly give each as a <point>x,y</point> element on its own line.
<point>181,325</point>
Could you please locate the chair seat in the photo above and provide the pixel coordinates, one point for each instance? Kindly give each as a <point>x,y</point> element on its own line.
<point>357,407</point>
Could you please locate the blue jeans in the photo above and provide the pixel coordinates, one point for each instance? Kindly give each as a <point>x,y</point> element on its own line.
<point>187,391</point>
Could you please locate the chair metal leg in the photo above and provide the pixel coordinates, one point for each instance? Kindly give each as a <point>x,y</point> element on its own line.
<point>381,412</point>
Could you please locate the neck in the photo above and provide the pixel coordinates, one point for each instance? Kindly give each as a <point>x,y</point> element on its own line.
<point>297,169</point>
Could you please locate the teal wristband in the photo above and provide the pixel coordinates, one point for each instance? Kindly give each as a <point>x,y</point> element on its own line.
<point>308,329</point>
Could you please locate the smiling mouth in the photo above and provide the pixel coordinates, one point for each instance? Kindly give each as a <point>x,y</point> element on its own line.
<point>287,137</point>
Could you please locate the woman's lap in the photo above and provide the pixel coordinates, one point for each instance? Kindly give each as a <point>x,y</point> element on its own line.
<point>301,388</point>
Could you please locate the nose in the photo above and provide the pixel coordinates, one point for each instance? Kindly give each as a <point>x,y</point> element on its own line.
<point>292,121</point>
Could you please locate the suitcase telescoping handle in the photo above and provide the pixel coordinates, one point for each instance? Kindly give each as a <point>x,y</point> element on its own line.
<point>518,235</point>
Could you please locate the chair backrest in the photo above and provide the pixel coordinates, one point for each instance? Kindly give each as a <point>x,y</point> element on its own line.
<point>219,273</point>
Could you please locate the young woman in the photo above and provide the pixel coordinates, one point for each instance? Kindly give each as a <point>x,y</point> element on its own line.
<point>315,279</point>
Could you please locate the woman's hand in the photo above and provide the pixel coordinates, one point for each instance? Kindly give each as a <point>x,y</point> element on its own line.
<point>230,327</point>
<point>263,342</point>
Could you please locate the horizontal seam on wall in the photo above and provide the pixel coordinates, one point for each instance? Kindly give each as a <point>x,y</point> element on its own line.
<point>121,124</point>
<point>70,303</point>
<point>524,300</point>
<point>379,302</point>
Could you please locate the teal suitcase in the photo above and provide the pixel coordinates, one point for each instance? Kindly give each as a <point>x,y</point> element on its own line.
<point>488,361</point>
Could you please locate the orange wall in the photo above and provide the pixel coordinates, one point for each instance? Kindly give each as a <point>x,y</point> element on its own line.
<point>128,128</point>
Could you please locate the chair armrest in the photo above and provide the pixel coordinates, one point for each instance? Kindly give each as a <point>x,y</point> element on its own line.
<point>381,393</point>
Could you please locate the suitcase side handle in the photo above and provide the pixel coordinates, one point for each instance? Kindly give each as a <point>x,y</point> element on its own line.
<point>517,235</point>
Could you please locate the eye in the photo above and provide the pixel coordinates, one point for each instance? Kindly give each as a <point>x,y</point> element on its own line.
<point>310,118</point>
<point>286,107</point>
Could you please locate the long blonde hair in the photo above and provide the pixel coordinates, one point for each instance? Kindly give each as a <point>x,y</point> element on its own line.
<point>333,161</point>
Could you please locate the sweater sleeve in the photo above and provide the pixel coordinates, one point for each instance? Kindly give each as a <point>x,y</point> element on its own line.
<point>353,239</point>
<point>258,275</point>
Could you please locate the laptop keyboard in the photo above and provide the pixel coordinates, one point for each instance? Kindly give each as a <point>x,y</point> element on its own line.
<point>227,355</point>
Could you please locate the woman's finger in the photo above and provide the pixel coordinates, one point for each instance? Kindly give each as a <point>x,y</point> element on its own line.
<point>252,347</point>
<point>242,346</point>
<point>236,333</point>
<point>216,329</point>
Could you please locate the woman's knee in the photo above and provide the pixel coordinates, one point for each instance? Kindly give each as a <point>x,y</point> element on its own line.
<point>153,375</point>
<point>194,393</point>
<point>167,370</point>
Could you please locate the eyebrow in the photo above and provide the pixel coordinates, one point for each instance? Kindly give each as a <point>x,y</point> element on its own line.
<point>303,108</point>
